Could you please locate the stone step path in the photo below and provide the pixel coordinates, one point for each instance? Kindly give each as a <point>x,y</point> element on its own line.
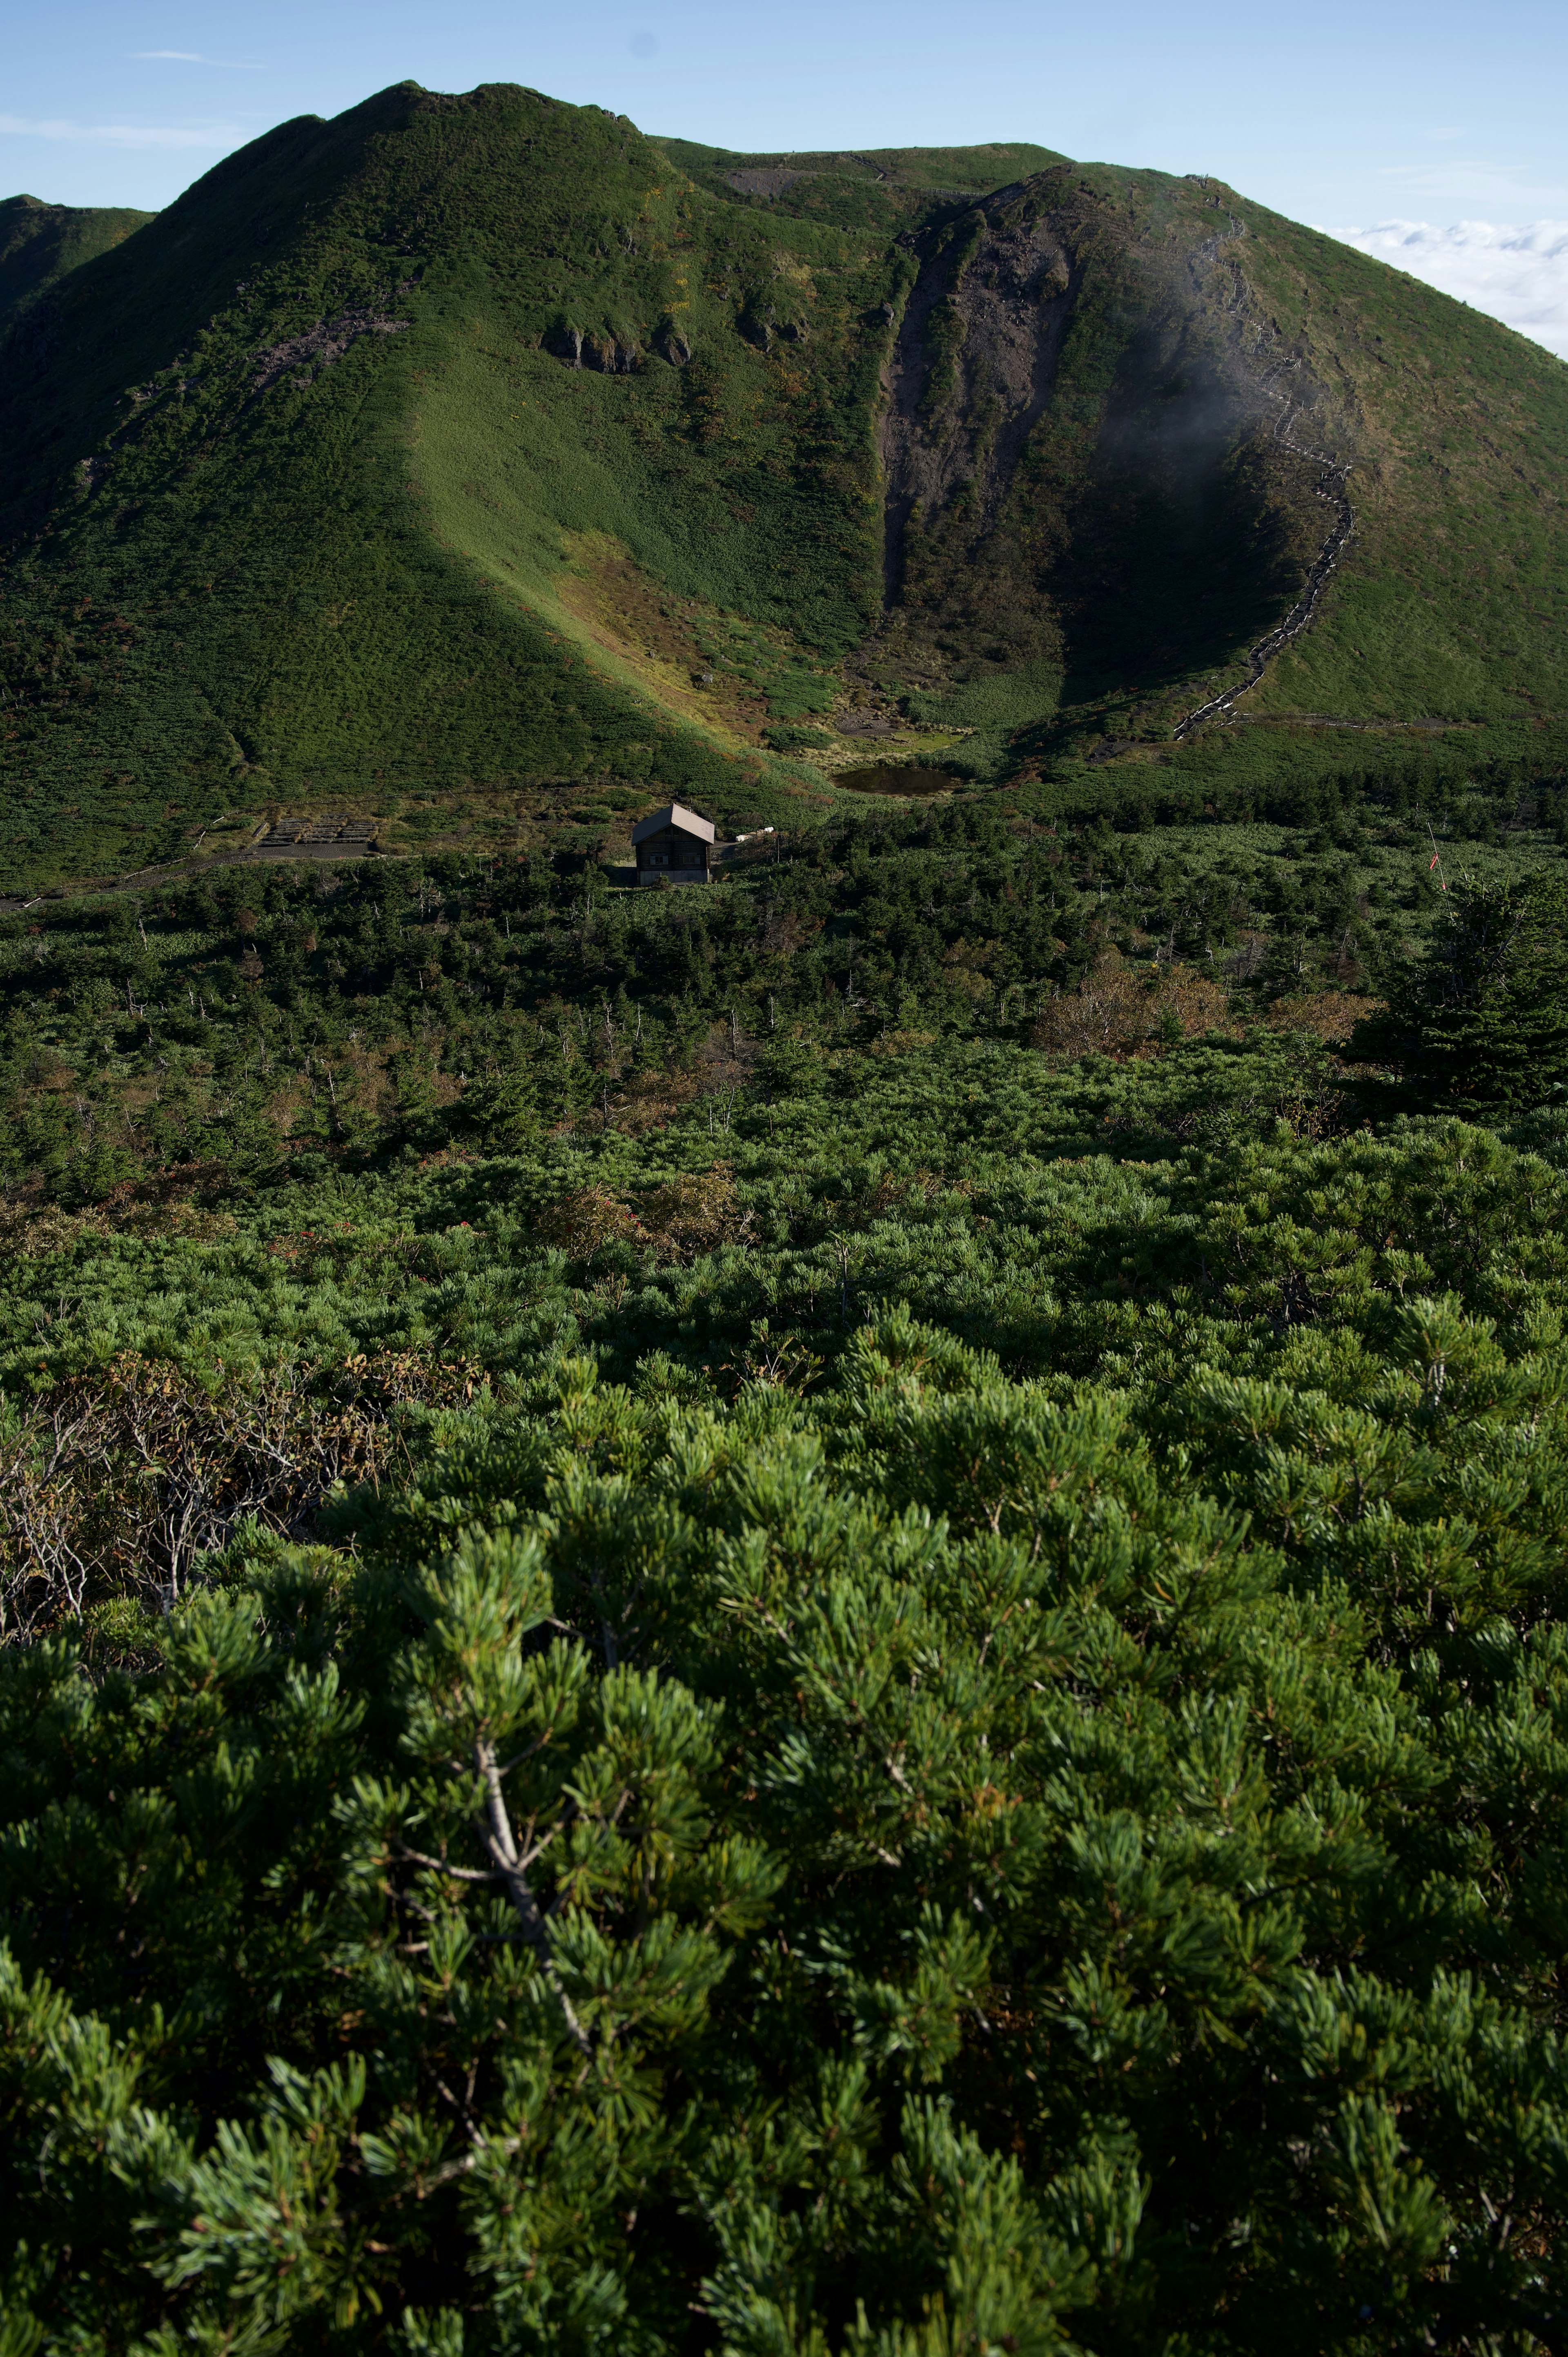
<point>1331,488</point>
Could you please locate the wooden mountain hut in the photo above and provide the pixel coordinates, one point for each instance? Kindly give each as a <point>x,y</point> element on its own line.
<point>673,846</point>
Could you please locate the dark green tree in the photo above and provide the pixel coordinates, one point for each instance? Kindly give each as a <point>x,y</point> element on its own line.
<point>1480,1025</point>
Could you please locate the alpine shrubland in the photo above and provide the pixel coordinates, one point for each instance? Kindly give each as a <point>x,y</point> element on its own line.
<point>712,1645</point>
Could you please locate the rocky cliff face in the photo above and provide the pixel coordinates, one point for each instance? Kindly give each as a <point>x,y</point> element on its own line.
<point>972,367</point>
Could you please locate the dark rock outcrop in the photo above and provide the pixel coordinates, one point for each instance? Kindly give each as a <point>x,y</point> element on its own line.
<point>319,346</point>
<point>610,355</point>
<point>1088,455</point>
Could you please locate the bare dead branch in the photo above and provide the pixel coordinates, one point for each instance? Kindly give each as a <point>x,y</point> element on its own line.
<point>495,1832</point>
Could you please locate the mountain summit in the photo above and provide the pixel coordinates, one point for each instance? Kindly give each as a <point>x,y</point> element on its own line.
<point>484,445</point>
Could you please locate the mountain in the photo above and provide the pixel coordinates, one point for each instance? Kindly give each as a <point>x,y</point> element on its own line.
<point>481,462</point>
<point>40,244</point>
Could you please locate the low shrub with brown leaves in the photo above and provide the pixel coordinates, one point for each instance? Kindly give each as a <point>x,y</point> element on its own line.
<point>693,1213</point>
<point>177,1202</point>
<point>583,1222</point>
<point>1120,1010</point>
<point>1328,1015</point>
<point>116,1481</point>
<point>677,1220</point>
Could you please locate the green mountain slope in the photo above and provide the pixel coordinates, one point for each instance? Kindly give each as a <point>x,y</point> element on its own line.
<point>40,244</point>
<point>483,458</point>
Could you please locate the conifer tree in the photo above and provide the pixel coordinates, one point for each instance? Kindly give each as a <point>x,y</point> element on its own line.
<point>1480,1026</point>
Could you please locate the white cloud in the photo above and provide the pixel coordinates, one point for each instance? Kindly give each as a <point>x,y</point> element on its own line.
<point>1518,274</point>
<point>127,134</point>
<point>195,58</point>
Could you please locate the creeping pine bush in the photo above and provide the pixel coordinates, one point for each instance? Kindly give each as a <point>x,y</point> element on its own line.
<point>910,1866</point>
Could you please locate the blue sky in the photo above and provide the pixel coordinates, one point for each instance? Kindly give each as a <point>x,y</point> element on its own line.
<point>1337,113</point>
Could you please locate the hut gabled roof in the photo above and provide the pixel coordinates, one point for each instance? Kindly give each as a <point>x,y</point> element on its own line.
<point>674,815</point>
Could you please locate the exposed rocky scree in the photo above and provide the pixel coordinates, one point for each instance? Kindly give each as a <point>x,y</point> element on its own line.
<point>765,183</point>
<point>1280,376</point>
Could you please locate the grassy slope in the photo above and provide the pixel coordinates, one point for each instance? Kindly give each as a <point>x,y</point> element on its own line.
<point>1453,597</point>
<point>450,569</point>
<point>236,599</point>
<point>239,597</point>
<point>876,191</point>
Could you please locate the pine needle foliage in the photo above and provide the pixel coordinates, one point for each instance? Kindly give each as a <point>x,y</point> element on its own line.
<point>1482,1023</point>
<point>698,1661</point>
<point>916,1869</point>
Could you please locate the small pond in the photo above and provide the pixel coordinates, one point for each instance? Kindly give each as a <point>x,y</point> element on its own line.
<point>886,779</point>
